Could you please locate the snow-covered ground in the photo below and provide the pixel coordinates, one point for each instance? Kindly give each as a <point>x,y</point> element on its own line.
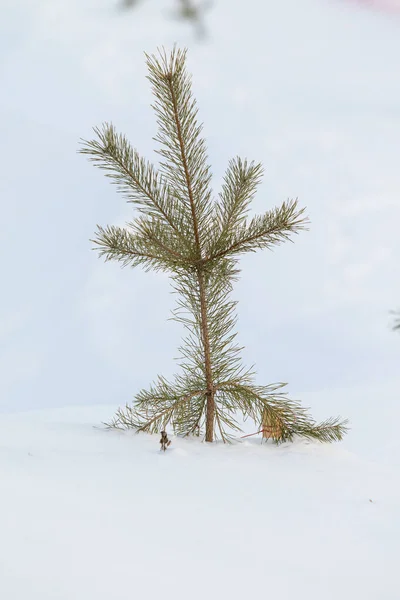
<point>88,514</point>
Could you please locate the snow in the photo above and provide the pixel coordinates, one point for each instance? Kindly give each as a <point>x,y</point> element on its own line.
<point>89,514</point>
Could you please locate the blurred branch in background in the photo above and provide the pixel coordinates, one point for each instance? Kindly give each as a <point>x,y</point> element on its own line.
<point>396,323</point>
<point>186,10</point>
<point>388,6</point>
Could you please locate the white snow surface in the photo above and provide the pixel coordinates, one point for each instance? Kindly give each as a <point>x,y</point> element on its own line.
<point>91,514</point>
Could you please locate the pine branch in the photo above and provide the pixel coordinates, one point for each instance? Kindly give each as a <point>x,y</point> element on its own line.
<point>331,430</point>
<point>184,157</point>
<point>135,178</point>
<point>179,134</point>
<point>265,231</point>
<point>153,233</point>
<point>284,415</point>
<point>240,184</point>
<point>130,249</point>
<point>162,404</point>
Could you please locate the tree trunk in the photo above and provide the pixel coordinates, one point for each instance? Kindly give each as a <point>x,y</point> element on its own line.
<point>210,406</point>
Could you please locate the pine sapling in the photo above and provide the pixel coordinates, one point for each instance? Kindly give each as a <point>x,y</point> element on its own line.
<point>181,229</point>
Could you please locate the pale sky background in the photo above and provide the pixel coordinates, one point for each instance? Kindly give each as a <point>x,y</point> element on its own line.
<point>311,88</point>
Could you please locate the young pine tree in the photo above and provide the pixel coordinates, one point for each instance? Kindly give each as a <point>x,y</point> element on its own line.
<point>182,230</point>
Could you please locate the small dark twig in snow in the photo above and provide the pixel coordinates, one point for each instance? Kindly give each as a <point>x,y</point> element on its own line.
<point>164,441</point>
